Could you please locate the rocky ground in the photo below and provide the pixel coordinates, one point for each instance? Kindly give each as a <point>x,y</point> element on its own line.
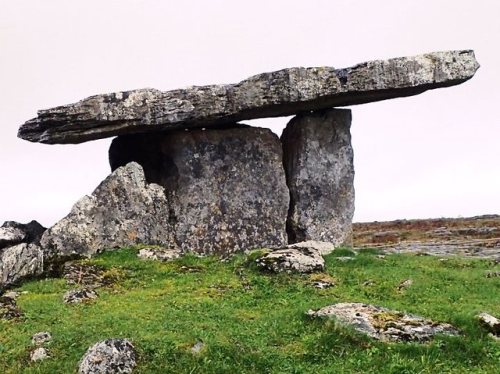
<point>469,237</point>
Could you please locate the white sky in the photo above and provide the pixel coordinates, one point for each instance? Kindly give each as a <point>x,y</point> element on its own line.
<point>433,155</point>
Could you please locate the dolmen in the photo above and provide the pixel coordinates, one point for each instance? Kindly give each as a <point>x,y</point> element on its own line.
<point>187,175</point>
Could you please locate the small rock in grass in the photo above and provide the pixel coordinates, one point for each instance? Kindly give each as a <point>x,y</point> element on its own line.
<point>404,284</point>
<point>109,356</point>
<point>384,324</point>
<point>41,337</point>
<point>39,354</point>
<point>79,296</point>
<point>493,274</point>
<point>301,260</point>
<point>368,282</point>
<point>159,254</point>
<point>83,275</point>
<point>344,258</point>
<point>491,323</point>
<point>197,347</point>
<point>9,309</point>
<point>380,257</point>
<point>322,280</point>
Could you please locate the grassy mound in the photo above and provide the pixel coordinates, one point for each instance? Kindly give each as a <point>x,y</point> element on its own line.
<point>244,321</point>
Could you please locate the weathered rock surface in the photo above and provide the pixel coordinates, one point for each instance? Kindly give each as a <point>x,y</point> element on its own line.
<point>10,236</point>
<point>123,210</point>
<point>318,160</point>
<point>39,354</point>
<point>323,248</point>
<point>41,338</point>
<point>79,296</point>
<point>300,260</point>
<point>159,254</point>
<point>491,323</point>
<point>9,309</point>
<point>32,231</point>
<point>279,93</point>
<point>384,324</point>
<point>109,356</point>
<point>225,188</point>
<point>18,262</point>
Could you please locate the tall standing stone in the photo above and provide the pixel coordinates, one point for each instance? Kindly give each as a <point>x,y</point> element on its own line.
<point>225,187</point>
<point>318,159</point>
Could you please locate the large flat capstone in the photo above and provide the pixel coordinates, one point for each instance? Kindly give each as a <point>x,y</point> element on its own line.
<point>318,160</point>
<point>280,93</point>
<point>226,188</point>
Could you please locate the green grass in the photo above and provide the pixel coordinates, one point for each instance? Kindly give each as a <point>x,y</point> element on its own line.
<point>253,322</point>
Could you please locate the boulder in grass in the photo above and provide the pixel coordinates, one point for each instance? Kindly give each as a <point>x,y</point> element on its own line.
<point>109,356</point>
<point>296,260</point>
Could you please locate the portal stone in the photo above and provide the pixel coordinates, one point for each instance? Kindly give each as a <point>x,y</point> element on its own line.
<point>225,187</point>
<point>318,159</point>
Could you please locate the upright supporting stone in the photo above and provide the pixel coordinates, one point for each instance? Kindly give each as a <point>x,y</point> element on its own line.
<point>225,187</point>
<point>318,161</point>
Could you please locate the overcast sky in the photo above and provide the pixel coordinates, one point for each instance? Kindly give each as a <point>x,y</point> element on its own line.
<point>432,155</point>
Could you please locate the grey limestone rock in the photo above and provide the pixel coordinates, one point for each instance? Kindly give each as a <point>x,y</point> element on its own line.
<point>78,296</point>
<point>300,260</point>
<point>32,231</point>
<point>384,324</point>
<point>10,236</point>
<point>318,159</point>
<point>18,262</point>
<point>279,93</point>
<point>109,356</point>
<point>491,323</point>
<point>123,210</point>
<point>41,338</point>
<point>159,254</point>
<point>323,248</point>
<point>39,354</point>
<point>225,188</point>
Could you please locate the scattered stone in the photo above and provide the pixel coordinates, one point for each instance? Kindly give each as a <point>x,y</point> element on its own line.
<point>19,262</point>
<point>109,356</point>
<point>369,282</point>
<point>493,274</point>
<point>322,280</point>
<point>39,354</point>
<point>10,236</point>
<point>11,295</point>
<point>79,296</point>
<point>323,248</point>
<point>32,231</point>
<point>404,284</point>
<point>122,211</point>
<point>226,187</point>
<point>301,260</point>
<point>491,323</point>
<point>9,309</point>
<point>344,258</point>
<point>84,275</point>
<point>280,93</point>
<point>159,254</point>
<point>384,324</point>
<point>41,337</point>
<point>380,257</point>
<point>318,160</point>
<point>197,347</point>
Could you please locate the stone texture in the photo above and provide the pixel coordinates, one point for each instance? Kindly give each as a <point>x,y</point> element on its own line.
<point>32,231</point>
<point>41,338</point>
<point>39,354</point>
<point>279,93</point>
<point>123,210</point>
<point>300,260</point>
<point>491,323</point>
<point>9,309</point>
<point>318,160</point>
<point>384,324</point>
<point>10,236</point>
<point>226,188</point>
<point>159,254</point>
<point>109,356</point>
<point>18,262</point>
<point>323,248</point>
<point>79,296</point>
